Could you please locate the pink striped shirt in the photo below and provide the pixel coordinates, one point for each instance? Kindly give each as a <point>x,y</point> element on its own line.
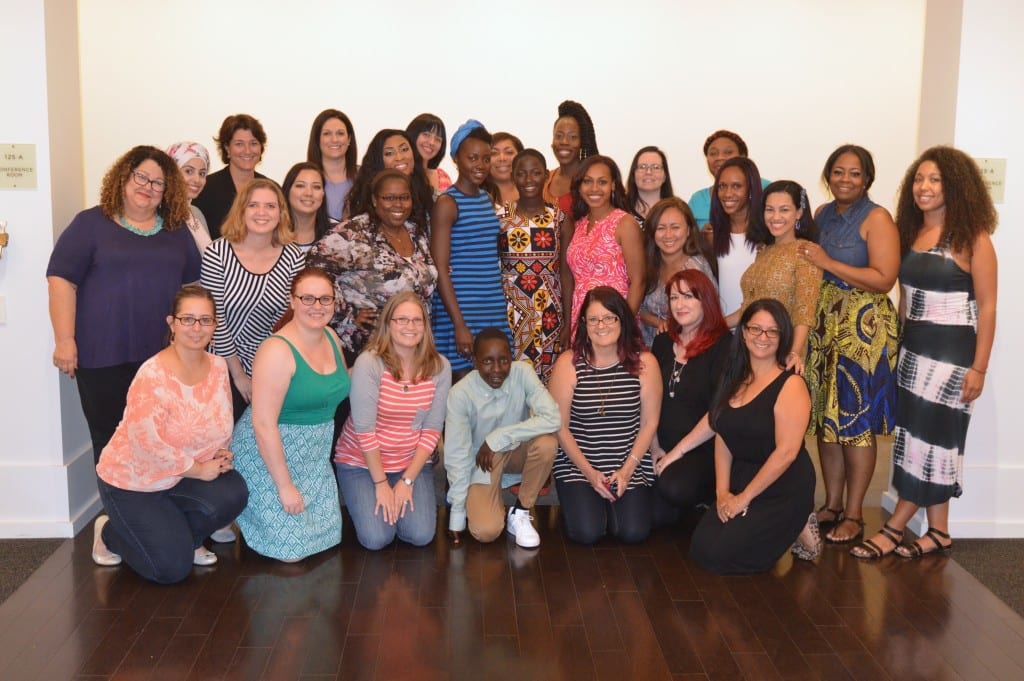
<point>402,408</point>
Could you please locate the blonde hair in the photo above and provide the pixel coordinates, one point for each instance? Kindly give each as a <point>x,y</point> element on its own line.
<point>426,360</point>
<point>234,229</point>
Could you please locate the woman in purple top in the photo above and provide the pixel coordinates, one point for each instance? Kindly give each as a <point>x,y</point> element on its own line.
<point>112,276</point>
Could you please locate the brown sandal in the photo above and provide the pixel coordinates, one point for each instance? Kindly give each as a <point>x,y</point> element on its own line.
<point>914,550</point>
<point>869,550</point>
<point>826,525</point>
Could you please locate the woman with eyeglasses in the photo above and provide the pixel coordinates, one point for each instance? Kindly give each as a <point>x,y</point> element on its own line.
<point>648,182</point>
<point>248,270</point>
<point>166,478</point>
<point>241,142</point>
<point>608,390</point>
<point>283,440</point>
<point>399,392</point>
<point>128,254</point>
<point>764,479</point>
<point>373,256</point>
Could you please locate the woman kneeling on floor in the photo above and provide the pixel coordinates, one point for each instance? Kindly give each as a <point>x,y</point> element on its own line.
<point>166,479</point>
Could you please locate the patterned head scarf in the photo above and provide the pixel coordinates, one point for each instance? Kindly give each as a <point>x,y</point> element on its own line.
<point>183,152</point>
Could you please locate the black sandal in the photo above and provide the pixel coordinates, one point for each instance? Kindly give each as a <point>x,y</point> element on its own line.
<point>852,538</point>
<point>914,549</point>
<point>869,550</point>
<point>826,525</point>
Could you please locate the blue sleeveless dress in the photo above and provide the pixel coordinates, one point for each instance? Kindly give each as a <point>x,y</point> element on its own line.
<point>306,424</point>
<point>475,274</point>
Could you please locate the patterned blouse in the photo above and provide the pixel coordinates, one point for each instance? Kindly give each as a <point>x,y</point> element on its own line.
<point>367,271</point>
<point>167,427</point>
<point>778,272</point>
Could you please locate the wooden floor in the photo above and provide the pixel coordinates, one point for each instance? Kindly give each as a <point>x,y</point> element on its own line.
<point>498,612</point>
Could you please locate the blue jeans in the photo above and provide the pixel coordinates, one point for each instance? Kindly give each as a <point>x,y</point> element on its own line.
<point>415,527</point>
<point>156,533</point>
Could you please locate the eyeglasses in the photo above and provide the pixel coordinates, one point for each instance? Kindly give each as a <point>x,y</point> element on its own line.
<point>309,300</point>
<point>143,180</point>
<point>649,167</point>
<point>607,320</point>
<point>189,320</point>
<point>392,198</point>
<point>406,321</point>
<point>757,332</point>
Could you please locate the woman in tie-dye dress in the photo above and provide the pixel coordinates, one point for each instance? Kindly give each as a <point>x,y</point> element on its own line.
<point>948,275</point>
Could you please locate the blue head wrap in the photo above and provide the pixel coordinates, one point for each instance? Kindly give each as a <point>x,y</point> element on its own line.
<point>460,135</point>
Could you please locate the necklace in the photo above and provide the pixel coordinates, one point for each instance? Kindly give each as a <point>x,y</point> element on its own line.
<point>157,226</point>
<point>606,388</point>
<point>673,380</point>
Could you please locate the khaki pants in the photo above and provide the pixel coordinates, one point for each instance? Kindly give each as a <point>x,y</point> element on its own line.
<point>485,511</point>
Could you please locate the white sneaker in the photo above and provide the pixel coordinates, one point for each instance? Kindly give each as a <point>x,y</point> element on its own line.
<point>204,556</point>
<point>520,527</point>
<point>101,555</point>
<point>224,535</point>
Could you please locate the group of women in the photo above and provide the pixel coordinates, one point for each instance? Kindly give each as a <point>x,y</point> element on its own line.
<point>764,321</point>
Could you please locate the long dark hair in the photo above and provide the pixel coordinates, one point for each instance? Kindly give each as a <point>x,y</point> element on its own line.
<point>618,199</point>
<point>313,153</point>
<point>737,368</point>
<point>428,122</point>
<point>721,225</point>
<point>633,194</point>
<point>695,244</point>
<point>360,198</point>
<point>321,223</point>
<point>806,227</point>
<point>588,138</point>
<point>630,343</point>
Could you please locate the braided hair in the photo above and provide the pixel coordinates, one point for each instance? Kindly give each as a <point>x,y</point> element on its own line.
<point>588,140</point>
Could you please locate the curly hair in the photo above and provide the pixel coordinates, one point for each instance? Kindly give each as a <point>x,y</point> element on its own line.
<point>695,243</point>
<point>174,206</point>
<point>618,197</point>
<point>313,152</point>
<point>633,199</point>
<point>588,139</point>
<point>234,228</point>
<point>806,227</point>
<point>969,208</point>
<point>233,124</point>
<point>630,343</point>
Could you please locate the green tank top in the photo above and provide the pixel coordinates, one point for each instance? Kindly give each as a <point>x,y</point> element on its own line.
<point>312,398</point>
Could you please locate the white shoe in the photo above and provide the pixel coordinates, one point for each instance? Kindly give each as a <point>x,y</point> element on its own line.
<point>101,555</point>
<point>520,527</point>
<point>204,556</point>
<point>224,535</point>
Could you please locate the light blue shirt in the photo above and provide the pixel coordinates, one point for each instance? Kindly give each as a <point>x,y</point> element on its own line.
<point>520,410</point>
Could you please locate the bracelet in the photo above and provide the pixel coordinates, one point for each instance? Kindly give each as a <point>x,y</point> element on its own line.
<point>380,482</point>
<point>632,456</point>
<point>975,369</point>
<point>791,354</point>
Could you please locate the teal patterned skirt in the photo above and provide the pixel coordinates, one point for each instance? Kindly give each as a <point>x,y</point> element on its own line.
<point>267,529</point>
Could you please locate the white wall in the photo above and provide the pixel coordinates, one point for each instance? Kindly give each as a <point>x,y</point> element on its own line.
<point>989,107</point>
<point>796,77</point>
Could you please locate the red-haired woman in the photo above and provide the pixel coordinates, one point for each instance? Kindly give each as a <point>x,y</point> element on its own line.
<point>692,355</point>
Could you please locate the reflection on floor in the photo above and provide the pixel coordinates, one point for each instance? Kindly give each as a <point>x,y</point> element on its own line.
<point>495,611</point>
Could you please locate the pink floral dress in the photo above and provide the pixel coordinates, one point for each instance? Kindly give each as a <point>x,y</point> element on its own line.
<point>595,259</point>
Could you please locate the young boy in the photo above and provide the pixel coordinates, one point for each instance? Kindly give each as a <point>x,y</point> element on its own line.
<point>500,419</point>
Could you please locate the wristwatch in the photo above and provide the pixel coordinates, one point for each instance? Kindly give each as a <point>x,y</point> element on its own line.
<point>407,481</point>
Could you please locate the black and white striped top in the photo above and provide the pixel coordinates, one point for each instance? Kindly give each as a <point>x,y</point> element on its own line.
<point>248,304</point>
<point>604,418</point>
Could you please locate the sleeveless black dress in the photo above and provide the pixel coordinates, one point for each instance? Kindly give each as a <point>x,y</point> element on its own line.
<point>754,542</point>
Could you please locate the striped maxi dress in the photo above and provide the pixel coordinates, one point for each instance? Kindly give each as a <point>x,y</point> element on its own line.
<point>938,349</point>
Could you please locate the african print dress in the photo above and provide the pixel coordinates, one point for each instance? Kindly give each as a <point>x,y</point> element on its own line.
<point>938,348</point>
<point>529,251</point>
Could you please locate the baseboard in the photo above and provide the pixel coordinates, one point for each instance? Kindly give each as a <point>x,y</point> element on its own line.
<point>961,527</point>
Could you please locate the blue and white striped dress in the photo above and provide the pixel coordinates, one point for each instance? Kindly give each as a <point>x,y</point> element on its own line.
<point>475,274</point>
<point>248,304</point>
<point>604,419</point>
<point>938,349</point>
